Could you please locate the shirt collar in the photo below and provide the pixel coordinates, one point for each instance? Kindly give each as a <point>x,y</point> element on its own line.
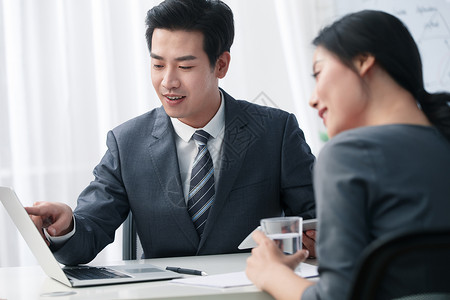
<point>214,126</point>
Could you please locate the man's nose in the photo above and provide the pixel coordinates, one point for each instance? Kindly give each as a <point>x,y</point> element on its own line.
<point>170,80</point>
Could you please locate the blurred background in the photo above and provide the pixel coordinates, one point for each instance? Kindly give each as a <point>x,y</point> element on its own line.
<point>72,70</point>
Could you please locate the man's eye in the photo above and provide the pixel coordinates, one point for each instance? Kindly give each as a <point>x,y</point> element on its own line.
<point>185,67</point>
<point>158,66</point>
<point>315,74</point>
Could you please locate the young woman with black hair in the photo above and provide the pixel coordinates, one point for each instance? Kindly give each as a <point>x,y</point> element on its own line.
<point>386,167</point>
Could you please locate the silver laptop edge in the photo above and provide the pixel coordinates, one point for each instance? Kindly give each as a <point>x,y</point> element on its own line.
<point>32,236</point>
<point>47,260</point>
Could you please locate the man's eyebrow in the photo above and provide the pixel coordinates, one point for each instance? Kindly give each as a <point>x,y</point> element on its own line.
<point>156,56</point>
<point>181,58</point>
<point>186,57</point>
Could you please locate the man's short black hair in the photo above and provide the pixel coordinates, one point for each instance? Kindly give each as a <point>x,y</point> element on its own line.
<point>213,18</point>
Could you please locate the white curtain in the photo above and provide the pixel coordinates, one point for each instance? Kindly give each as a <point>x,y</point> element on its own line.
<point>72,70</point>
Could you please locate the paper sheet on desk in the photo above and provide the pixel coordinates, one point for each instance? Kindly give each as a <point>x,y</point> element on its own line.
<point>237,279</point>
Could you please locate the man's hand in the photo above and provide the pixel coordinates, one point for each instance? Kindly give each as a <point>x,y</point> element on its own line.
<point>56,217</point>
<point>309,242</point>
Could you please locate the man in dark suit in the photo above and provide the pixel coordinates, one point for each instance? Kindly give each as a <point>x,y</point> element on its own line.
<point>257,161</point>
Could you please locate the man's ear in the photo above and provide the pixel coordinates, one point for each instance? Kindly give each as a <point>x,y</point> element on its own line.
<point>364,63</point>
<point>222,64</point>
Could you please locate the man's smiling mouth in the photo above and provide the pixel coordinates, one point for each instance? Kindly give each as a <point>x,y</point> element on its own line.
<point>175,98</point>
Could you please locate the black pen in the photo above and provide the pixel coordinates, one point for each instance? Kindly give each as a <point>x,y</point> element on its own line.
<point>186,271</point>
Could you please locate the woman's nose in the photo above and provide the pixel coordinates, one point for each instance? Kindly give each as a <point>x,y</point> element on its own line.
<point>313,101</point>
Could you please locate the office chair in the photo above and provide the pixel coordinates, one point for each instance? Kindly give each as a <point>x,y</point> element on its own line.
<point>131,244</point>
<point>413,265</point>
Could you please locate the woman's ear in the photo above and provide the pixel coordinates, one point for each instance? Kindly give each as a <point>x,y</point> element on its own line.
<point>364,63</point>
<point>222,64</point>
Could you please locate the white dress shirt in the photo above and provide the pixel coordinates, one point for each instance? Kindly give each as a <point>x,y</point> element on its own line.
<point>187,148</point>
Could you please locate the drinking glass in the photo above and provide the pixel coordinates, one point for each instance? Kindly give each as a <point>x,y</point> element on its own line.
<point>286,232</point>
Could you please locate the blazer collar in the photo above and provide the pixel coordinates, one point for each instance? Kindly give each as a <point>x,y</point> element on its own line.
<point>238,138</point>
<point>240,132</point>
<point>163,155</point>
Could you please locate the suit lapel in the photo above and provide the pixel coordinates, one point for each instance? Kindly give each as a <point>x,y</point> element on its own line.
<point>164,158</point>
<point>238,138</point>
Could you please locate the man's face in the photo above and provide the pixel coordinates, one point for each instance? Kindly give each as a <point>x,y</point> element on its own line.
<point>183,78</point>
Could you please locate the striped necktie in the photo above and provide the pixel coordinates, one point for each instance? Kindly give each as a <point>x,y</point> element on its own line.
<point>201,192</point>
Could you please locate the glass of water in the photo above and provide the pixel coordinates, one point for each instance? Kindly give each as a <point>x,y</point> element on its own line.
<point>286,232</point>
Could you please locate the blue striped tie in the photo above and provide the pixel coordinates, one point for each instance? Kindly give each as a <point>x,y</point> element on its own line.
<point>201,192</point>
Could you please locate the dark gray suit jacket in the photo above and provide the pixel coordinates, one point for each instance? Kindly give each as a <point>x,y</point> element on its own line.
<point>266,170</point>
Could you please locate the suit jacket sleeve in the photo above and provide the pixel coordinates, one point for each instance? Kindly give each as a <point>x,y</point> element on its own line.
<point>296,172</point>
<point>101,208</point>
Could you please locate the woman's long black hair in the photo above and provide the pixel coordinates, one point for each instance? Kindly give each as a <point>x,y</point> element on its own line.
<point>389,41</point>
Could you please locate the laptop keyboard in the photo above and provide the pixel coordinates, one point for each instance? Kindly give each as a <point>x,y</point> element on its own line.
<point>83,273</point>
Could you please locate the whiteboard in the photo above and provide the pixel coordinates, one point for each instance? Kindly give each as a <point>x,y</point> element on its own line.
<point>429,23</point>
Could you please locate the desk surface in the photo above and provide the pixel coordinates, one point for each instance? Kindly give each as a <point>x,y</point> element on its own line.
<point>33,283</point>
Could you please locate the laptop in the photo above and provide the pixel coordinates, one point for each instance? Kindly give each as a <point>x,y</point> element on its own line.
<point>75,276</point>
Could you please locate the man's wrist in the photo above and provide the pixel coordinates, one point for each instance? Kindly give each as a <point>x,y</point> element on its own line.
<point>58,241</point>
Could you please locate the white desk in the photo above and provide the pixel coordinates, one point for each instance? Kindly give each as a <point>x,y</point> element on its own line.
<point>32,283</point>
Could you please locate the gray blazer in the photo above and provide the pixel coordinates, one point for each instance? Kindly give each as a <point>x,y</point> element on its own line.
<point>266,171</point>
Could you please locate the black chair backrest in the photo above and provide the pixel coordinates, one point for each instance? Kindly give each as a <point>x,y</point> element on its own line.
<point>131,244</point>
<point>129,239</point>
<point>411,265</point>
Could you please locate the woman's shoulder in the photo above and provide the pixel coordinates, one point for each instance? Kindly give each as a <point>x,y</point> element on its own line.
<point>377,141</point>
<point>384,135</point>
